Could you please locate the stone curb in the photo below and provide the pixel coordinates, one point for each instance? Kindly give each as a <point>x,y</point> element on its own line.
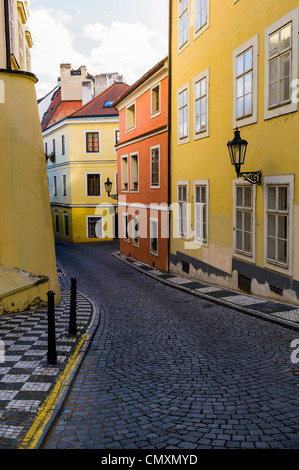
<point>261,315</point>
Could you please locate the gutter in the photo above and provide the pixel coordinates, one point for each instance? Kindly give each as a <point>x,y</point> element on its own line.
<point>169,123</point>
<point>7,34</point>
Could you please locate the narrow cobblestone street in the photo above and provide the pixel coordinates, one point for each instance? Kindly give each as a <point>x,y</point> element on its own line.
<point>166,370</point>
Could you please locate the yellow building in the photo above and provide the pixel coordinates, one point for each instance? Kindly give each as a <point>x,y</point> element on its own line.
<point>27,252</point>
<point>234,64</point>
<point>79,142</point>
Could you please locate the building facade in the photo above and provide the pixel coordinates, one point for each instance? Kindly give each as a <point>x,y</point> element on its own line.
<point>235,66</point>
<point>27,269</point>
<point>79,143</point>
<point>142,155</point>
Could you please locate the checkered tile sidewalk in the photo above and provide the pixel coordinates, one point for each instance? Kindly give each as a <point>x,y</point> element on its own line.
<point>249,303</point>
<point>26,380</point>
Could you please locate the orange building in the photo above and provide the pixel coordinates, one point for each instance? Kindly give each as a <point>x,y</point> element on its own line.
<point>142,155</point>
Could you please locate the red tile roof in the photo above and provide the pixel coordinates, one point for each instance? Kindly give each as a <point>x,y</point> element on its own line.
<point>95,107</point>
<point>59,110</point>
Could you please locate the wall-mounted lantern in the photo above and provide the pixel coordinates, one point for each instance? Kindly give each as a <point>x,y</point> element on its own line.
<point>108,187</point>
<point>237,151</point>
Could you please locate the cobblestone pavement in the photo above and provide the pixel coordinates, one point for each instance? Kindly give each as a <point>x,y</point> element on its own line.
<point>167,370</point>
<point>26,379</point>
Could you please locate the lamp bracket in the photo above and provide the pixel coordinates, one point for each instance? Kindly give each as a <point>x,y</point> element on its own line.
<point>253,177</point>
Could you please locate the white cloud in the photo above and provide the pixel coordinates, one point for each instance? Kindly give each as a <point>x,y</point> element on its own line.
<point>52,45</point>
<point>126,48</point>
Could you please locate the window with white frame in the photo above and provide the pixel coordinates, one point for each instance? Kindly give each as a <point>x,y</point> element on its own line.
<point>131,117</point>
<point>182,210</point>
<point>92,142</point>
<point>93,183</point>
<point>281,64</point>
<point>134,170</point>
<point>202,14</point>
<point>155,167</point>
<point>201,209</point>
<point>62,145</point>
<point>201,105</point>
<point>124,173</point>
<point>156,101</point>
<point>183,114</point>
<point>116,136</point>
<point>135,230</point>
<point>244,223</point>
<point>64,185</point>
<point>54,186</point>
<point>183,23</point>
<point>279,200</point>
<point>245,83</point>
<point>154,236</point>
<point>278,224</point>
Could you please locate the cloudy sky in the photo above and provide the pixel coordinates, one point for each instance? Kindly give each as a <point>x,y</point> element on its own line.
<point>124,36</point>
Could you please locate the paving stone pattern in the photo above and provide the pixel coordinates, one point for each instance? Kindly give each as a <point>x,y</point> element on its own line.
<point>25,377</point>
<point>167,370</point>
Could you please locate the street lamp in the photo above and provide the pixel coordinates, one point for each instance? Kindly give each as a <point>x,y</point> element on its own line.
<point>237,151</point>
<point>108,187</point>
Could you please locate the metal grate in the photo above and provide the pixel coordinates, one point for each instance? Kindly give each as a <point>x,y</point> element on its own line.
<point>185,267</point>
<point>244,283</point>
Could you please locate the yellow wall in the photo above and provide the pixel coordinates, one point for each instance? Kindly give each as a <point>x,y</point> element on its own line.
<point>26,238</point>
<point>273,146</point>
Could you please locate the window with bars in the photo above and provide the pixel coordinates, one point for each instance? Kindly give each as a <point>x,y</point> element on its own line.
<point>244,220</point>
<point>155,167</point>
<point>94,184</point>
<point>201,215</point>
<point>182,211</point>
<point>92,142</point>
<point>95,227</point>
<point>183,22</point>
<point>244,84</point>
<point>278,224</point>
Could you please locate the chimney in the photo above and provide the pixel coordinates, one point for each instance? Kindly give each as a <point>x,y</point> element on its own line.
<point>86,92</point>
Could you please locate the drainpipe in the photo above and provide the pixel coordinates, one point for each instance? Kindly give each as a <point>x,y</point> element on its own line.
<point>169,122</point>
<point>7,34</point>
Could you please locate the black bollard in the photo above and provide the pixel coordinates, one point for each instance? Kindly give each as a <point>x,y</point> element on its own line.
<point>52,355</point>
<point>73,308</point>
